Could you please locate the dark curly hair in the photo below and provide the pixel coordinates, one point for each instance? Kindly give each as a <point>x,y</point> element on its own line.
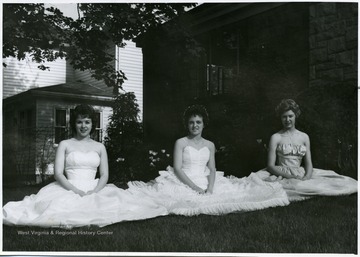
<point>286,105</point>
<point>194,110</point>
<point>83,111</point>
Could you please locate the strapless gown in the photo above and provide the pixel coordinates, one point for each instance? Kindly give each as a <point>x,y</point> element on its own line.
<point>230,194</point>
<point>54,206</point>
<point>323,182</point>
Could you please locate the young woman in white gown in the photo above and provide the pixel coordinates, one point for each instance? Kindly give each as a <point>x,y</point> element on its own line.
<point>77,198</point>
<point>288,149</point>
<point>193,186</point>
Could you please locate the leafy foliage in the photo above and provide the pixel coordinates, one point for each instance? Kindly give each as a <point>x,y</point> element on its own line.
<point>30,28</point>
<point>46,34</point>
<point>130,158</point>
<point>124,139</point>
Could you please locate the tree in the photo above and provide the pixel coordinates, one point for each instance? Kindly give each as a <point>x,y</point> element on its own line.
<point>46,34</point>
<point>124,140</point>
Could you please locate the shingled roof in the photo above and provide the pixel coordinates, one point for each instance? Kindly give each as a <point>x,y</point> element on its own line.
<point>78,88</point>
<point>74,90</point>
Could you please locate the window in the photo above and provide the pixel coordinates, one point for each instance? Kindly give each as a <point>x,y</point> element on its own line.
<point>63,128</point>
<point>61,125</point>
<point>214,79</point>
<point>97,135</point>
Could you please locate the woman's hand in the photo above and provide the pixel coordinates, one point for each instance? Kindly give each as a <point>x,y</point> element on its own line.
<point>90,192</point>
<point>295,177</point>
<point>80,192</point>
<point>306,177</point>
<point>209,191</point>
<point>199,190</point>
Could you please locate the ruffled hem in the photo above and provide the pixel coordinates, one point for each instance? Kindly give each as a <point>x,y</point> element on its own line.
<point>231,194</point>
<point>226,208</point>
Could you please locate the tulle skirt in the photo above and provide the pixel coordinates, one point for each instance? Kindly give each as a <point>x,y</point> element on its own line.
<point>322,182</point>
<point>53,206</point>
<point>230,194</point>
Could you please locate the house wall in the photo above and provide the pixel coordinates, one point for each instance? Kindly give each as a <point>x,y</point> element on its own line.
<point>304,51</point>
<point>333,84</point>
<point>265,56</point>
<point>20,76</point>
<point>130,60</point>
<point>22,161</point>
<point>18,150</point>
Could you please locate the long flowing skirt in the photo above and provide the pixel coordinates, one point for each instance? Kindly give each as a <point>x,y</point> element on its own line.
<point>229,195</point>
<point>322,182</point>
<point>53,206</point>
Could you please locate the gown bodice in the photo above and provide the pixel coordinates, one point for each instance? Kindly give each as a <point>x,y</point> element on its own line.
<point>195,160</point>
<point>290,155</point>
<point>81,165</point>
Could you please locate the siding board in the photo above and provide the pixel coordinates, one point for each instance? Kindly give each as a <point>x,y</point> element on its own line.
<point>20,76</point>
<point>130,61</point>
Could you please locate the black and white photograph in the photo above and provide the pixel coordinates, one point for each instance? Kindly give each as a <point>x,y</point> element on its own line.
<point>180,128</point>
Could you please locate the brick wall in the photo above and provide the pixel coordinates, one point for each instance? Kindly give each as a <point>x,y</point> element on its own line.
<point>330,103</point>
<point>333,43</point>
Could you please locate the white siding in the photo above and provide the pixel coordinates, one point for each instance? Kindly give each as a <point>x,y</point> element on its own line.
<point>130,61</point>
<point>106,112</point>
<point>20,76</point>
<point>85,76</point>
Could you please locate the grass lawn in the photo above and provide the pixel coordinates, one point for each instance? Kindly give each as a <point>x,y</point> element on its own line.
<point>318,225</point>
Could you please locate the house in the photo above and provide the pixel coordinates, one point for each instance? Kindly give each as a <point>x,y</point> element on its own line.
<point>240,60</point>
<point>37,106</point>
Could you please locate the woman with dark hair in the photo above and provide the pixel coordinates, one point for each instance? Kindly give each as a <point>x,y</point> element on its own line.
<point>77,198</point>
<point>289,148</point>
<point>193,186</point>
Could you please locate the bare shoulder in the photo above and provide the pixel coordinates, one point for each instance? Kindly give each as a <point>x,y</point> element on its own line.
<point>303,136</point>
<point>98,146</point>
<point>181,142</point>
<point>64,144</point>
<point>209,144</point>
<point>275,137</point>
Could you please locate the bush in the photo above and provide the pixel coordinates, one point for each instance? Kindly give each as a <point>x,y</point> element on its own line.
<point>129,157</point>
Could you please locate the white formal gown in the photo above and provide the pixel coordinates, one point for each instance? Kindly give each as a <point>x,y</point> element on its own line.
<point>322,182</point>
<point>53,206</point>
<point>230,194</point>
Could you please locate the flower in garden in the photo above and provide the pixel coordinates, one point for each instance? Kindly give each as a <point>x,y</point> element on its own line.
<point>120,159</point>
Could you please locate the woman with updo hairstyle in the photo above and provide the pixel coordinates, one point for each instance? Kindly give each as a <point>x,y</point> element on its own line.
<point>289,161</point>
<point>287,105</point>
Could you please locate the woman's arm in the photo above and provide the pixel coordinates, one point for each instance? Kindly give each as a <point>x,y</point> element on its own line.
<point>178,152</point>
<point>271,161</point>
<point>307,160</point>
<point>212,168</point>
<point>59,170</point>
<point>103,169</point>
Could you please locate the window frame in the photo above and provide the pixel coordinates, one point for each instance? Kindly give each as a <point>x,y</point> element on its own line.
<point>68,112</point>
